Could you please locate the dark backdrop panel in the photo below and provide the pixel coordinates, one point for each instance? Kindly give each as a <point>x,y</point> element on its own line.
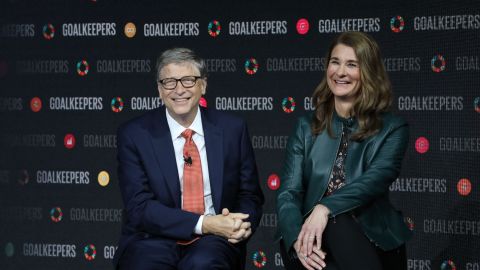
<point>60,206</point>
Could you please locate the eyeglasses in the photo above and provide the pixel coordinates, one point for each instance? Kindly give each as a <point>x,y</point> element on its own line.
<point>186,81</point>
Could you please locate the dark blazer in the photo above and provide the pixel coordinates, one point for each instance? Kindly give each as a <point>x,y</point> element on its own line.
<point>149,182</point>
<point>371,166</point>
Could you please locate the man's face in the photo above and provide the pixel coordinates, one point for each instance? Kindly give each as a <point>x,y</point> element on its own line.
<point>181,101</point>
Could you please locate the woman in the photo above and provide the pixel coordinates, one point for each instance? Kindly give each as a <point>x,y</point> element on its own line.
<point>333,205</point>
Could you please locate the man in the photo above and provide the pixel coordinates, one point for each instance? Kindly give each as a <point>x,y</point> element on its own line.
<point>188,178</point>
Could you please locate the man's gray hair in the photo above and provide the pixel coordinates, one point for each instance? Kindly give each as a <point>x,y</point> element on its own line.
<point>180,56</point>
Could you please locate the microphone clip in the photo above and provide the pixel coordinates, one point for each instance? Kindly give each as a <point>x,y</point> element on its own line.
<point>188,160</point>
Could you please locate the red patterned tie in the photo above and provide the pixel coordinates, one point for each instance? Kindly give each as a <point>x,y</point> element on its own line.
<point>192,179</point>
<point>192,176</point>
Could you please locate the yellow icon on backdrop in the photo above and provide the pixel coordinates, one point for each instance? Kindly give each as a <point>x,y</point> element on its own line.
<point>130,30</point>
<point>103,178</point>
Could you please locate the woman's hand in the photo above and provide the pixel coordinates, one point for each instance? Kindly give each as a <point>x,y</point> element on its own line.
<point>316,260</point>
<point>311,234</point>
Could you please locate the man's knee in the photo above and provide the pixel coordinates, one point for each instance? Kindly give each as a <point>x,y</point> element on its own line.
<point>152,253</point>
<point>211,253</point>
<point>210,261</point>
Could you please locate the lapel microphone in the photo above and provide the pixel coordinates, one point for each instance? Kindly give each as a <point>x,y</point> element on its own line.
<point>188,160</point>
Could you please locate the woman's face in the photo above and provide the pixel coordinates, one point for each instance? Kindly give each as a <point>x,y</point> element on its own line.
<point>343,73</point>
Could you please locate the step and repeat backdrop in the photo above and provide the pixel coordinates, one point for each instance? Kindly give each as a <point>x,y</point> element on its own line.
<point>72,71</point>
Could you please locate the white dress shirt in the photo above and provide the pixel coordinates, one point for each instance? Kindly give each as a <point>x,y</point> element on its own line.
<point>199,138</point>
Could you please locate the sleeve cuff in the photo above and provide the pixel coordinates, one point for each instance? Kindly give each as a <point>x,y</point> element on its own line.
<point>198,227</point>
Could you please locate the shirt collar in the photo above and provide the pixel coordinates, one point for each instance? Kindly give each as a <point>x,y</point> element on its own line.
<point>339,121</point>
<point>176,129</point>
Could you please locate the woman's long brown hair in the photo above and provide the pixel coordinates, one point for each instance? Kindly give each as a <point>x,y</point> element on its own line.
<point>373,98</point>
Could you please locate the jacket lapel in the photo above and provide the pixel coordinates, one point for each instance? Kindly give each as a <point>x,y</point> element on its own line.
<point>214,148</point>
<point>165,153</point>
<point>320,162</point>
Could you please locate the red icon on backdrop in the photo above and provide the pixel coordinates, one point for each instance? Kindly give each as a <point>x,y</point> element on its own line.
<point>36,104</point>
<point>464,186</point>
<point>69,141</point>
<point>273,181</point>
<point>203,102</point>
<point>303,26</point>
<point>422,145</point>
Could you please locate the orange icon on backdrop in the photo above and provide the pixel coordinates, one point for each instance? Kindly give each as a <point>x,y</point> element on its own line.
<point>103,178</point>
<point>130,30</point>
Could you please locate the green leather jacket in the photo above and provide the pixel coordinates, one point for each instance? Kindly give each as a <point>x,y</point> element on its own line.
<point>372,165</point>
